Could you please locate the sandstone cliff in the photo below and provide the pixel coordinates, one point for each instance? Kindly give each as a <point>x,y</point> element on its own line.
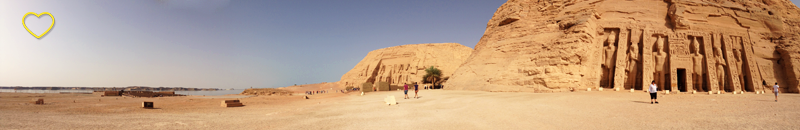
<point>406,63</point>
<point>684,45</point>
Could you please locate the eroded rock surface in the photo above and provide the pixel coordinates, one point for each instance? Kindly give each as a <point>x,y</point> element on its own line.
<point>683,45</point>
<point>406,63</point>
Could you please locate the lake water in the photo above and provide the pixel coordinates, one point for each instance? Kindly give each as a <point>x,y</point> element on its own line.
<point>207,93</point>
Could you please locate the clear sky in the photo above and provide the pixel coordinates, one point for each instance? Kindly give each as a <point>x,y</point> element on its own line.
<point>219,44</point>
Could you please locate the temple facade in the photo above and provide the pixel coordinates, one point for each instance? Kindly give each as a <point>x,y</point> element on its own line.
<point>697,59</point>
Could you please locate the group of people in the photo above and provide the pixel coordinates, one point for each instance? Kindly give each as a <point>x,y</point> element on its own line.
<point>315,92</point>
<point>432,87</point>
<point>654,89</point>
<point>416,90</point>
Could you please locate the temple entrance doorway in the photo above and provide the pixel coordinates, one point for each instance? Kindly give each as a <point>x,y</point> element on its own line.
<point>747,86</point>
<point>705,83</point>
<point>682,80</point>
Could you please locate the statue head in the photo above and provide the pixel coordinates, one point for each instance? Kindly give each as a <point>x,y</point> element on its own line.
<point>612,37</point>
<point>660,43</point>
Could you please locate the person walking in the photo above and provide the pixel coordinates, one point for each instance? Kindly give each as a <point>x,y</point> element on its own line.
<point>776,91</point>
<point>416,89</point>
<point>653,90</point>
<point>405,90</point>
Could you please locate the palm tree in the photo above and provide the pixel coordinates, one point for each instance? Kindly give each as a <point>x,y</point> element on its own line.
<point>433,75</point>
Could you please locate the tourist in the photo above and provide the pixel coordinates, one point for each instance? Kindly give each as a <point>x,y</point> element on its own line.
<point>416,89</point>
<point>776,91</point>
<point>405,90</point>
<point>426,86</point>
<point>653,90</point>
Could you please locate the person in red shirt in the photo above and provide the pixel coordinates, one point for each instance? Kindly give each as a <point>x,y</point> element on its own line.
<point>405,90</point>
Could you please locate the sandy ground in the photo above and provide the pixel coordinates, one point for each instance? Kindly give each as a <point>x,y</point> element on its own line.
<point>436,109</point>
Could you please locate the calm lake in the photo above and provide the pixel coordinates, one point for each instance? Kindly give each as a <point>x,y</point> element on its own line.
<point>208,93</point>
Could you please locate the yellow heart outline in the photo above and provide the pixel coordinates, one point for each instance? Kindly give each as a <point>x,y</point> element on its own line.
<point>38,15</point>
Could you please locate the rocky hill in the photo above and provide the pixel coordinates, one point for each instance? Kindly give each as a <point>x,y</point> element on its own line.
<point>406,63</point>
<point>684,45</point>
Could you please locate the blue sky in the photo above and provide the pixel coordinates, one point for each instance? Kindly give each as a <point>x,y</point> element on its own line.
<point>220,44</point>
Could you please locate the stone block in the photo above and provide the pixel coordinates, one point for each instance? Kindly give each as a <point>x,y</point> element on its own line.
<point>148,105</point>
<point>395,87</point>
<point>390,100</point>
<point>383,86</point>
<point>231,103</point>
<point>37,101</point>
<point>366,87</point>
<point>111,93</point>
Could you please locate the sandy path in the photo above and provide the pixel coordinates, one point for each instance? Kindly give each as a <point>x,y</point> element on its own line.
<point>437,109</point>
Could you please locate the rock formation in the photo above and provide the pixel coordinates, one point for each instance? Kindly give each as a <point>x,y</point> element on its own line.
<point>406,63</point>
<point>558,45</point>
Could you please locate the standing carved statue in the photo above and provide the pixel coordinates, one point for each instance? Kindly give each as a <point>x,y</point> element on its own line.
<point>608,58</point>
<point>633,56</point>
<point>720,68</point>
<point>660,58</point>
<point>737,53</point>
<point>698,66</point>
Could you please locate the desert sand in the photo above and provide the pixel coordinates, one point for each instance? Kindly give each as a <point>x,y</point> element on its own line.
<point>436,109</point>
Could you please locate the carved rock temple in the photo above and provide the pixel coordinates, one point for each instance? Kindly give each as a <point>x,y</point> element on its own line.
<point>682,45</point>
<point>405,64</point>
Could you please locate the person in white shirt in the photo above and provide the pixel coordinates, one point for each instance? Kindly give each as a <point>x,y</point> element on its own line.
<point>653,90</point>
<point>776,91</point>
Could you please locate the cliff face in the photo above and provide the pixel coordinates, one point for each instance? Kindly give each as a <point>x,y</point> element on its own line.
<point>683,45</point>
<point>406,63</point>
